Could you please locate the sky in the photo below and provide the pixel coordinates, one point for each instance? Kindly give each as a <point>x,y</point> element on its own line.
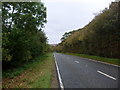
<point>67,15</point>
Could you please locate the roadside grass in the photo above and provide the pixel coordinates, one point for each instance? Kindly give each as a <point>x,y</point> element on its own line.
<point>36,74</point>
<point>11,73</point>
<point>102,59</point>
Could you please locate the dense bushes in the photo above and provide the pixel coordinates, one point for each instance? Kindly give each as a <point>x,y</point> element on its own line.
<point>100,37</point>
<point>23,37</point>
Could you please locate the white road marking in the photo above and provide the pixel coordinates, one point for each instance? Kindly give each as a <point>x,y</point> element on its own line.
<point>77,61</point>
<point>86,65</point>
<point>59,77</point>
<point>106,75</point>
<point>103,62</point>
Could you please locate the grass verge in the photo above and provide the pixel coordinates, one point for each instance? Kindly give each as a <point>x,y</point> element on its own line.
<point>36,74</point>
<point>102,59</point>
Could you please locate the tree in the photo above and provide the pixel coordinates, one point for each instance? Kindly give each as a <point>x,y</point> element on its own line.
<point>100,37</point>
<point>23,37</point>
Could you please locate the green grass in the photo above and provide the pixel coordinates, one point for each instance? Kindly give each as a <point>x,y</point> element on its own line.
<point>36,74</point>
<point>43,81</point>
<point>102,59</point>
<point>11,73</point>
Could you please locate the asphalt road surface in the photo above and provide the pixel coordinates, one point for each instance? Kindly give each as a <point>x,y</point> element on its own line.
<point>77,72</point>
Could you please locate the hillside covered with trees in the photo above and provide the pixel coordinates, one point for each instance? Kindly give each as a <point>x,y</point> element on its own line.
<point>101,37</point>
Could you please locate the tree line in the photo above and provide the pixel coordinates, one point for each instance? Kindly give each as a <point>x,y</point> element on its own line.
<point>100,37</point>
<point>23,37</point>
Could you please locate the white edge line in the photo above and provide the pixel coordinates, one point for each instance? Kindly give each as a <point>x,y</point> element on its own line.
<point>59,77</point>
<point>103,62</point>
<point>99,61</point>
<point>106,75</point>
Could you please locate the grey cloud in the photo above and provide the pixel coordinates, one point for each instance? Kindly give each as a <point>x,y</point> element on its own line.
<point>64,17</point>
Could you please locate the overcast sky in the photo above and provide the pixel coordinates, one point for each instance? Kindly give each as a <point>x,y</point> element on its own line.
<point>67,15</point>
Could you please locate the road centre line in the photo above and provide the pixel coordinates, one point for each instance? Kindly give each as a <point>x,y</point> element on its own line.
<point>77,61</point>
<point>106,75</point>
<point>59,77</point>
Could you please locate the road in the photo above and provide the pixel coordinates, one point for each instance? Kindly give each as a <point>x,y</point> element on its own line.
<point>77,72</point>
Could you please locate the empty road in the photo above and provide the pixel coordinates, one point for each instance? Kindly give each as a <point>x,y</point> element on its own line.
<point>77,72</point>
